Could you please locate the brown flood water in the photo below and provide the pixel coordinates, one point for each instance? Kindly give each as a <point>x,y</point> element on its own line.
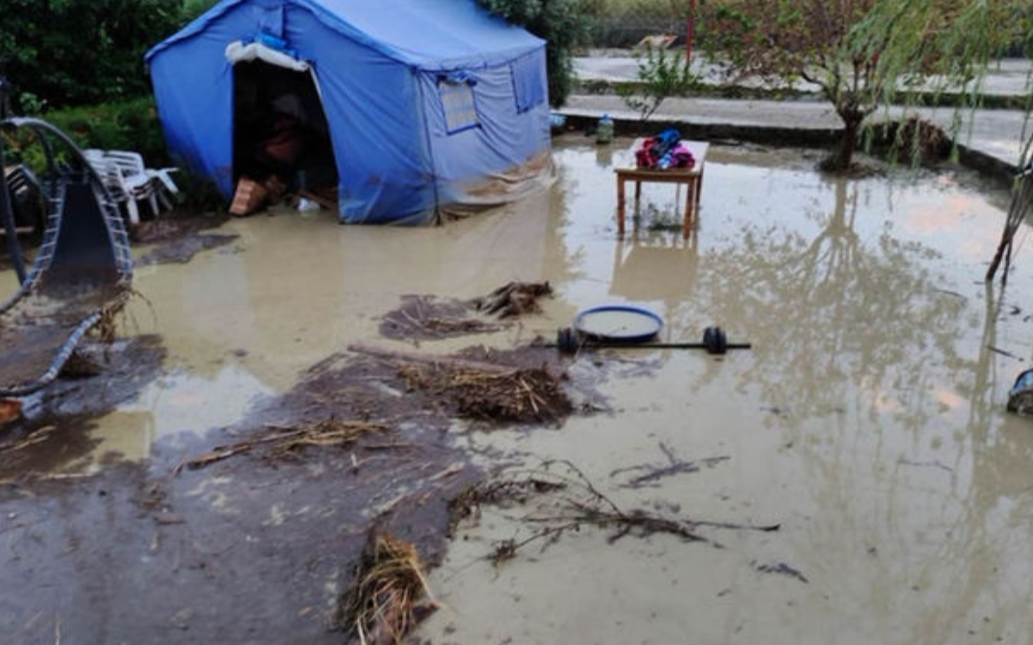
<point>867,420</point>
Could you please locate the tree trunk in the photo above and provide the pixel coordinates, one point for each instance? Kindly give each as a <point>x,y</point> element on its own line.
<point>843,157</point>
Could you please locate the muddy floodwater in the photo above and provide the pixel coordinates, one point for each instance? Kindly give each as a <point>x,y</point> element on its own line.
<point>853,477</point>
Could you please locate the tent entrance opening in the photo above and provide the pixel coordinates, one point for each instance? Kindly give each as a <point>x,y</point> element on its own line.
<point>280,132</point>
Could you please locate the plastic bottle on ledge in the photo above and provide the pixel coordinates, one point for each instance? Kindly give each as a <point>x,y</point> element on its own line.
<point>604,130</point>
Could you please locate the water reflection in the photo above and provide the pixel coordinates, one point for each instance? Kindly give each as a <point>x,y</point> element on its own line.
<point>655,266</point>
<point>883,361</point>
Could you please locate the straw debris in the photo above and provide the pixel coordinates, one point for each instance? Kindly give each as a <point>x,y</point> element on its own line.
<point>390,595</point>
<point>287,441</point>
<point>36,436</point>
<point>518,395</point>
<point>107,326</point>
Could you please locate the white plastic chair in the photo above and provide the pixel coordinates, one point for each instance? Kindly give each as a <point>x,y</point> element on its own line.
<point>130,182</point>
<point>112,179</point>
<point>131,164</point>
<point>137,182</point>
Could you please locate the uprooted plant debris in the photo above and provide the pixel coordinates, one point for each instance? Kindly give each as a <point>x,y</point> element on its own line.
<point>482,391</point>
<point>520,395</point>
<point>513,299</point>
<point>674,466</point>
<point>427,317</point>
<point>36,436</point>
<point>575,502</point>
<point>389,596</point>
<point>912,140</point>
<point>285,441</point>
<point>921,140</point>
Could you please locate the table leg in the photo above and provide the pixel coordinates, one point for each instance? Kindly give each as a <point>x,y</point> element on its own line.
<point>690,201</point>
<point>620,206</point>
<point>638,191</point>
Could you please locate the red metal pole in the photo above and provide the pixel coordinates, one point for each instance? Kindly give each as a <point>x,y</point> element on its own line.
<point>690,31</point>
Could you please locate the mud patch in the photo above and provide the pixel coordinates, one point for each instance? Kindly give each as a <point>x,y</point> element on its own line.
<point>258,541</point>
<point>168,228</point>
<point>176,240</point>
<point>428,318</point>
<point>257,548</point>
<point>423,317</point>
<point>53,432</point>
<point>183,250</point>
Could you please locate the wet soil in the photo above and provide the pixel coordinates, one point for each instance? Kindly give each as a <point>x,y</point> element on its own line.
<point>263,543</point>
<point>178,239</point>
<point>256,547</point>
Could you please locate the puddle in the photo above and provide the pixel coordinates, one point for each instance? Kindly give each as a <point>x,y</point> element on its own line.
<point>867,419</point>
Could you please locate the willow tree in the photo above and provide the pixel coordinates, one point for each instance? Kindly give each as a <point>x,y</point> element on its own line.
<point>946,45</point>
<point>951,45</point>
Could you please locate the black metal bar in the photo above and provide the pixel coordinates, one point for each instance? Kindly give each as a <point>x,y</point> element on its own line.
<point>14,247</point>
<point>619,345</point>
<point>665,345</point>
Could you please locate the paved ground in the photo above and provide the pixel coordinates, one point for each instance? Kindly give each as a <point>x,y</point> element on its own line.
<point>991,137</point>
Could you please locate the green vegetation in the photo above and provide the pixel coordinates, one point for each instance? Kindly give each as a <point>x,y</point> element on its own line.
<point>662,74</point>
<point>943,44</point>
<point>781,42</point>
<point>121,125</point>
<point>953,43</point>
<point>564,24</point>
<point>65,53</point>
<point>80,66</point>
<point>860,53</point>
<point>966,37</point>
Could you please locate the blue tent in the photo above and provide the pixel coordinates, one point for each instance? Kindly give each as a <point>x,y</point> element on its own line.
<point>425,105</point>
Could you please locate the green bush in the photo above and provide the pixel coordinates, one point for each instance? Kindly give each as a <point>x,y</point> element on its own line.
<point>123,125</point>
<point>64,53</point>
<point>563,24</point>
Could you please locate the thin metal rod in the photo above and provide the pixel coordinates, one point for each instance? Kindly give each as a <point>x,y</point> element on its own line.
<point>652,345</point>
<point>14,247</point>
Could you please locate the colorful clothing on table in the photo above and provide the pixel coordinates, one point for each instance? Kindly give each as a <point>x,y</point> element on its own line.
<point>664,151</point>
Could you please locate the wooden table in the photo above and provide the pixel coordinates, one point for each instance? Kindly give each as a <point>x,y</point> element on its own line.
<point>693,180</point>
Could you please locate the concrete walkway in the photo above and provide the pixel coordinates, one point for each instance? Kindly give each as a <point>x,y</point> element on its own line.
<point>991,138</point>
